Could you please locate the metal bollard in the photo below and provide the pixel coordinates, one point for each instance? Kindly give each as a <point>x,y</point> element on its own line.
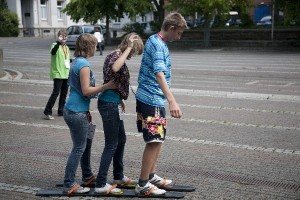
<point>1,63</point>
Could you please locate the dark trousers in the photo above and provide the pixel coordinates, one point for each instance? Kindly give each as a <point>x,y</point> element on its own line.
<point>60,86</point>
<point>100,47</point>
<point>115,139</point>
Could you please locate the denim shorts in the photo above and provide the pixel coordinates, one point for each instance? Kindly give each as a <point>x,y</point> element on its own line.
<point>151,121</point>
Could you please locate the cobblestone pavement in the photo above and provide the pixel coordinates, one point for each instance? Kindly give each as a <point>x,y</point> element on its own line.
<point>238,139</point>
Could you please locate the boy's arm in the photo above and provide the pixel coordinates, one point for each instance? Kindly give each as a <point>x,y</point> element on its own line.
<point>173,106</point>
<point>55,48</point>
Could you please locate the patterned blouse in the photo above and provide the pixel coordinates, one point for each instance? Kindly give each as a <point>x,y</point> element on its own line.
<point>121,78</point>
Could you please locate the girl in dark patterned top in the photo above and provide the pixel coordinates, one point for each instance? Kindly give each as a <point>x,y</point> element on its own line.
<point>111,104</point>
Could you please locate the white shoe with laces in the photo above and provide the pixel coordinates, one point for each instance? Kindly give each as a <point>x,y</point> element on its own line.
<point>160,182</point>
<point>149,189</point>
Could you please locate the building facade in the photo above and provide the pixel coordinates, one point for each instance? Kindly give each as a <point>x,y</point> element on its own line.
<point>43,18</point>
<point>40,18</point>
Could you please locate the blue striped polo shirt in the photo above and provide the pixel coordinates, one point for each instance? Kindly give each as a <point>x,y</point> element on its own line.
<point>156,58</point>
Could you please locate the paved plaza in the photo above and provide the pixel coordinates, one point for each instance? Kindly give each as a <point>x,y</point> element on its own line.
<point>239,137</point>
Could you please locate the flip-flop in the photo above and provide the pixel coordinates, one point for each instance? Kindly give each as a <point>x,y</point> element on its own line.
<point>74,188</point>
<point>111,188</point>
<point>87,182</point>
<point>129,182</point>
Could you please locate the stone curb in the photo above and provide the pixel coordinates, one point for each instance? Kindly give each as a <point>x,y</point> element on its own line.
<point>8,75</point>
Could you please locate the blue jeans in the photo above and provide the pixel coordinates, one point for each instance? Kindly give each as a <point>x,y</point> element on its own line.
<point>81,152</point>
<point>115,139</point>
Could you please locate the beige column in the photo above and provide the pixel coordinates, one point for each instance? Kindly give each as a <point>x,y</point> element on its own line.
<point>36,6</point>
<point>53,12</point>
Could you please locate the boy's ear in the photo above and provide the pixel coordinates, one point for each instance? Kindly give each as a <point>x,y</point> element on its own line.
<point>171,27</point>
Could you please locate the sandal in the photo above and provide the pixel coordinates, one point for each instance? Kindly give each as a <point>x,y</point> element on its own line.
<point>88,181</point>
<point>107,189</point>
<point>77,189</point>
<point>125,181</point>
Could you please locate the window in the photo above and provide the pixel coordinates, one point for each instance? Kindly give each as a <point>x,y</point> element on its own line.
<point>77,30</point>
<point>60,14</point>
<point>43,10</point>
<point>70,30</point>
<point>118,20</point>
<point>144,19</point>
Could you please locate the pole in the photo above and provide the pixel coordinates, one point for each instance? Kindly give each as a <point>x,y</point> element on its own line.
<point>273,21</point>
<point>1,63</point>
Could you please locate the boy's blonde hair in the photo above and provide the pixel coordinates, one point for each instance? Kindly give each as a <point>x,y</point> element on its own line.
<point>138,46</point>
<point>85,45</point>
<point>174,19</point>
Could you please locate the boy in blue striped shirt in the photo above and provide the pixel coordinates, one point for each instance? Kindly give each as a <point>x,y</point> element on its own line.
<point>152,93</point>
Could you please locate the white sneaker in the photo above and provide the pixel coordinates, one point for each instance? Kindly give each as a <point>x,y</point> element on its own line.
<point>82,190</point>
<point>108,189</point>
<point>160,182</point>
<point>125,181</point>
<point>79,190</point>
<point>149,189</point>
<point>48,117</point>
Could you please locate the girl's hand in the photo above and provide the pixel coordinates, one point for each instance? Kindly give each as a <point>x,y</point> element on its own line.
<point>110,85</point>
<point>132,38</point>
<point>123,105</point>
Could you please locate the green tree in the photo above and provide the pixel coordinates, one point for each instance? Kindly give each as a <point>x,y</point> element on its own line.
<point>291,10</point>
<point>8,21</point>
<point>209,9</point>
<point>91,10</point>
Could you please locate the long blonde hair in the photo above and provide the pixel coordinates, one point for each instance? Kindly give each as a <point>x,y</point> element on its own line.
<point>138,46</point>
<point>85,45</point>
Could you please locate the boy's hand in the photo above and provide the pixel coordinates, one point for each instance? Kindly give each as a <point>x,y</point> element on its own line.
<point>62,38</point>
<point>175,110</point>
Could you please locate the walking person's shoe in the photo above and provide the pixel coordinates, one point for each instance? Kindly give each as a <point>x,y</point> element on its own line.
<point>160,182</point>
<point>125,181</point>
<point>48,117</point>
<point>149,189</point>
<point>89,180</point>
<point>108,189</point>
<point>76,189</point>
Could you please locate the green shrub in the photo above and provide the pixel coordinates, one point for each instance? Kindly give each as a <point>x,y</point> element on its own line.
<point>246,21</point>
<point>8,24</point>
<point>156,26</point>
